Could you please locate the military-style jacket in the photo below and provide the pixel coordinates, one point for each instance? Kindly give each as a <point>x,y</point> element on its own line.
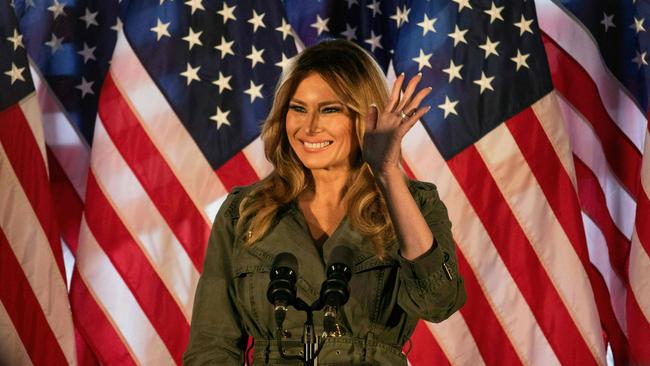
<point>387,297</point>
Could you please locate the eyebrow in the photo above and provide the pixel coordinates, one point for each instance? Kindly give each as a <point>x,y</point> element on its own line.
<point>327,102</point>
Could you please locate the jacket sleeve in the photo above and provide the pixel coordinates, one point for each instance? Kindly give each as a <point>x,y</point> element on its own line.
<point>216,333</point>
<point>430,286</point>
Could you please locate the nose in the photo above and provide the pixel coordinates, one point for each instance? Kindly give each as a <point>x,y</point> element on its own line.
<point>313,124</point>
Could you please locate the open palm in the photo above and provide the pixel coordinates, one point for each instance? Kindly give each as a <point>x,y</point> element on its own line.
<point>385,129</point>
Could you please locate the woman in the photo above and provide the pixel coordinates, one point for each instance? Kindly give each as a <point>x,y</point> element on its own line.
<point>333,136</point>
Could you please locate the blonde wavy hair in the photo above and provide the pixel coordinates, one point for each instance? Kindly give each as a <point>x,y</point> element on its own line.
<point>358,82</point>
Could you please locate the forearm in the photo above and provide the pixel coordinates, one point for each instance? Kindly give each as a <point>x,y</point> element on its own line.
<point>412,230</point>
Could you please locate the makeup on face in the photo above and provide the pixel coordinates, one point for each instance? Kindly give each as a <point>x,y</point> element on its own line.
<point>318,125</point>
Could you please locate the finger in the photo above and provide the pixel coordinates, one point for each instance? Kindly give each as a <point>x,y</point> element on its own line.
<point>410,88</point>
<point>394,94</point>
<point>417,99</point>
<point>406,126</point>
<point>371,118</point>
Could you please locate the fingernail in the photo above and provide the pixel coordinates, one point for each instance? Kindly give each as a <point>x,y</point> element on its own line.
<point>419,74</point>
<point>428,109</point>
<point>430,88</point>
<point>401,74</point>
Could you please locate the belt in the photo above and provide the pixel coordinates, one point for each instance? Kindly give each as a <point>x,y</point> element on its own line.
<point>335,351</point>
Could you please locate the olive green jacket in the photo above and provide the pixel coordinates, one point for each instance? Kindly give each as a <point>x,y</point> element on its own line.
<point>387,297</point>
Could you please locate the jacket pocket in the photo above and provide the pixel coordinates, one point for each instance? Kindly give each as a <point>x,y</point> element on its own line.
<point>250,284</point>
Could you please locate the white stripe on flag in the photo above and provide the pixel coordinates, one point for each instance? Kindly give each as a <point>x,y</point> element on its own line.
<point>599,256</point>
<point>12,350</point>
<point>62,138</point>
<point>639,267</point>
<point>254,153</point>
<point>165,130</point>
<point>645,171</point>
<point>639,278</point>
<point>456,341</point>
<point>534,214</point>
<point>548,114</point>
<point>143,220</point>
<point>32,112</point>
<point>576,41</point>
<point>117,302</point>
<point>32,249</point>
<point>513,312</point>
<point>588,148</point>
<point>509,305</point>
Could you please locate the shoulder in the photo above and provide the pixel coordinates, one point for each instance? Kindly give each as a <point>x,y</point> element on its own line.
<point>426,196</point>
<point>233,200</point>
<point>420,186</point>
<point>422,191</point>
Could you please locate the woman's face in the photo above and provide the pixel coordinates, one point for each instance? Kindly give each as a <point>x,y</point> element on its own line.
<point>319,126</point>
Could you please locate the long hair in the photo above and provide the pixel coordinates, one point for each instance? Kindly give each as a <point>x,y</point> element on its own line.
<point>358,82</point>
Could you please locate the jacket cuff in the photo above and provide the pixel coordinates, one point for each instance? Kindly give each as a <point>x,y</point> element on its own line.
<point>423,267</point>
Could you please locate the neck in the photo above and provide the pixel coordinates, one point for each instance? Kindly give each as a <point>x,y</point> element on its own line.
<point>329,186</point>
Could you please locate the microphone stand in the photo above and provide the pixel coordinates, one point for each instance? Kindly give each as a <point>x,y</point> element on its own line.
<point>310,341</point>
<point>334,290</point>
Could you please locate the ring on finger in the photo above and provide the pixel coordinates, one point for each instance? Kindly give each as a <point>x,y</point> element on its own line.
<point>405,116</point>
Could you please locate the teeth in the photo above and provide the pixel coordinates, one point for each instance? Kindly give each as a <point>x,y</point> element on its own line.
<point>317,145</point>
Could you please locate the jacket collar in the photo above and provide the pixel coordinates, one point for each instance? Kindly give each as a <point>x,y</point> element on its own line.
<point>290,233</point>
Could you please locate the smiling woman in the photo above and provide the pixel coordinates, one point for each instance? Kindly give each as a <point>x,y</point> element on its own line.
<point>333,136</point>
<point>319,126</point>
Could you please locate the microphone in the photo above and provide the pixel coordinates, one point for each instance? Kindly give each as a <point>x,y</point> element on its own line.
<point>335,291</point>
<point>282,288</point>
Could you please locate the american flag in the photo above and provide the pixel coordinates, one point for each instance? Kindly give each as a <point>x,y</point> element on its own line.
<point>151,111</point>
<point>35,319</point>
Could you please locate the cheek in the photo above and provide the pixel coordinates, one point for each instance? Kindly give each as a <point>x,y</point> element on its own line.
<point>294,122</point>
<point>290,127</point>
<point>348,135</point>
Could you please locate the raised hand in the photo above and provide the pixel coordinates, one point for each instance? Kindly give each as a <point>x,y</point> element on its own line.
<point>385,129</point>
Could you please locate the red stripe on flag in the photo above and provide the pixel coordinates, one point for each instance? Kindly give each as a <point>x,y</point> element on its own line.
<point>425,349</point>
<point>492,341</point>
<point>552,177</point>
<point>67,203</point>
<point>25,157</point>
<point>85,355</point>
<point>154,298</point>
<point>593,202</point>
<point>556,184</point>
<point>237,172</point>
<point>407,169</point>
<point>520,258</point>
<point>613,331</point>
<point>95,327</point>
<point>638,330</point>
<point>18,299</point>
<point>479,316</point>
<point>153,172</point>
<point>642,223</point>
<point>573,82</point>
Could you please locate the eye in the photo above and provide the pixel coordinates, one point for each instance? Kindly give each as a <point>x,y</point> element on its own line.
<point>297,108</point>
<point>331,109</point>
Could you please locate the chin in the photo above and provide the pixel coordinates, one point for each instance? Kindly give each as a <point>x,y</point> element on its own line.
<point>312,164</point>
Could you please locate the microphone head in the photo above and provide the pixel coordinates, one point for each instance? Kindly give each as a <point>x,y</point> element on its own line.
<point>285,260</point>
<point>342,254</point>
<point>340,263</point>
<point>335,291</point>
<point>282,288</point>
